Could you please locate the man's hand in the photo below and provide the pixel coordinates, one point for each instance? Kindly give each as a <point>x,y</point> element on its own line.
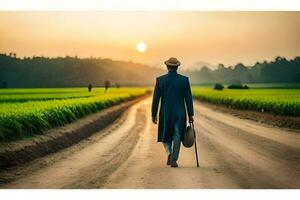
<point>154,120</point>
<point>191,119</point>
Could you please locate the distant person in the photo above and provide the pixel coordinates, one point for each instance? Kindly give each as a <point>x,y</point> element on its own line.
<point>90,87</point>
<point>106,85</point>
<point>174,92</point>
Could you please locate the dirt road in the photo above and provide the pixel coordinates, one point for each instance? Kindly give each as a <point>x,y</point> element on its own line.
<point>234,153</point>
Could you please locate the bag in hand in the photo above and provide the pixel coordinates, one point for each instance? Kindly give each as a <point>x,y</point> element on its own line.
<point>188,138</point>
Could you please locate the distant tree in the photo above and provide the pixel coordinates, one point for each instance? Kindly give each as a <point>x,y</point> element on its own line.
<point>90,87</point>
<point>117,85</point>
<point>206,74</point>
<point>223,74</point>
<point>106,85</point>
<point>241,72</point>
<point>218,86</point>
<point>12,54</point>
<point>221,66</point>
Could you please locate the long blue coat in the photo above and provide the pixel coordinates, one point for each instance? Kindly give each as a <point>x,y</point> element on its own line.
<point>174,91</point>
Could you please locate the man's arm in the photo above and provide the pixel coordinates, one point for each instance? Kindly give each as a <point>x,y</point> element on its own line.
<point>189,101</point>
<point>155,102</point>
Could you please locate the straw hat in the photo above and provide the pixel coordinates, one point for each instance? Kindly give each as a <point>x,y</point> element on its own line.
<point>173,62</point>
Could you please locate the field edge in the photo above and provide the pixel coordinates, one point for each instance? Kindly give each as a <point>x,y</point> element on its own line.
<point>289,123</point>
<point>23,151</point>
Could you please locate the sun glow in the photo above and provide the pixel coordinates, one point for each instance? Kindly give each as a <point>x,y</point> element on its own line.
<point>141,47</point>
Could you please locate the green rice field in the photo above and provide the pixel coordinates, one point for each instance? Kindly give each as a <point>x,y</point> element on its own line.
<point>277,101</point>
<point>28,112</point>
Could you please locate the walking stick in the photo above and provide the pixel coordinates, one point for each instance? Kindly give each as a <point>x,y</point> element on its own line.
<point>195,145</point>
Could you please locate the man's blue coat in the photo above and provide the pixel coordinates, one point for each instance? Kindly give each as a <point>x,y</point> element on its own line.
<point>174,91</point>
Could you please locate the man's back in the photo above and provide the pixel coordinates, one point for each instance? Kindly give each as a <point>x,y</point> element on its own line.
<point>172,87</point>
<point>174,92</point>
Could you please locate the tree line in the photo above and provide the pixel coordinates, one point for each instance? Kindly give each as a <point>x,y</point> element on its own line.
<point>71,72</point>
<point>279,70</point>
<point>78,72</point>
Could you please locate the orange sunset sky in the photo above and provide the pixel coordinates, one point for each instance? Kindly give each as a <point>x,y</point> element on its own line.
<point>213,37</point>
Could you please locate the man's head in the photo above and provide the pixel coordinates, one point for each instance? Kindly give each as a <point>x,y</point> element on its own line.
<point>172,63</point>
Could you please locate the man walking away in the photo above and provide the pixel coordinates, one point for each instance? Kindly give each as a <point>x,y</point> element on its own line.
<point>174,92</point>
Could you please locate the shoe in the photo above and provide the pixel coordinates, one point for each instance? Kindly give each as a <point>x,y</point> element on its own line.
<point>169,160</point>
<point>174,164</point>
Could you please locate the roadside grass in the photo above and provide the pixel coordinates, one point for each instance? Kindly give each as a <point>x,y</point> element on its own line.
<point>276,101</point>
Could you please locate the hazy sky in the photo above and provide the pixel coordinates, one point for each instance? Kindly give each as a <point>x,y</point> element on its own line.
<point>213,37</point>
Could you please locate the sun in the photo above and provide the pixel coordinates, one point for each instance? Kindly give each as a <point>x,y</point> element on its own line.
<point>141,47</point>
